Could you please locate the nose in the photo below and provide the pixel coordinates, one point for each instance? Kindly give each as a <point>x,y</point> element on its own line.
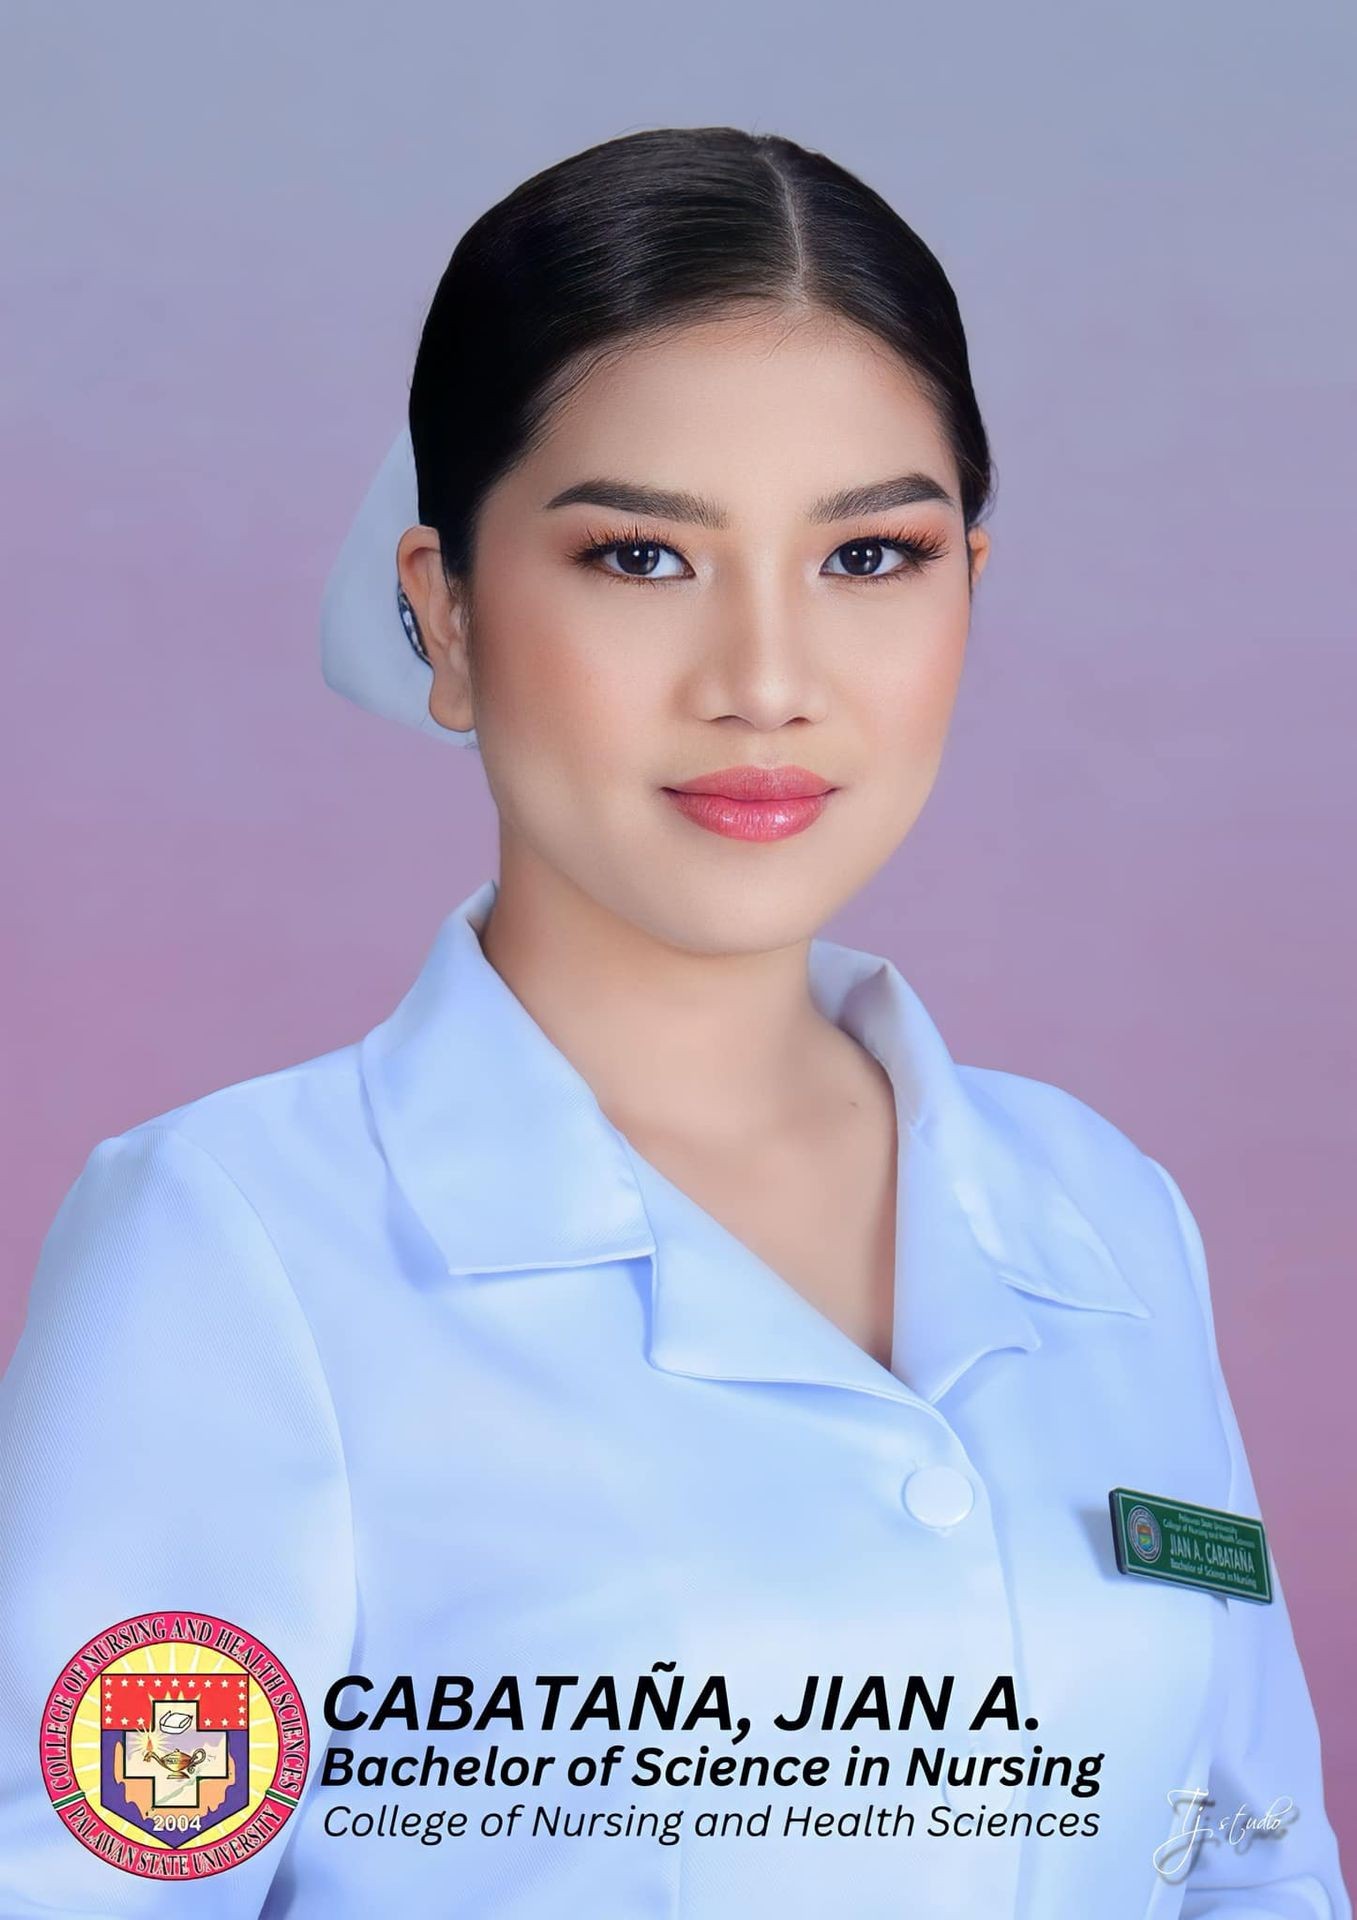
<point>759,662</point>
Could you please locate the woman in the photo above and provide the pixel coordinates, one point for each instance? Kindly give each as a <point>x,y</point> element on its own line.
<point>649,1322</point>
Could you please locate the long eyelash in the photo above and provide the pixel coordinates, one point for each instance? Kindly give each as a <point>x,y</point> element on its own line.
<point>915,549</point>
<point>598,541</point>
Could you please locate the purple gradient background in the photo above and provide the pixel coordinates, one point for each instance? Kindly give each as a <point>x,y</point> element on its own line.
<point>224,231</point>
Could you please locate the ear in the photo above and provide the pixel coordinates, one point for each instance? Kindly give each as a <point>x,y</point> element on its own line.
<point>979,543</point>
<point>440,607</point>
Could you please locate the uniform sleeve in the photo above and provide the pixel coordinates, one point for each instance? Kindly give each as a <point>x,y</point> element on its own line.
<point>168,1445</point>
<point>1268,1748</point>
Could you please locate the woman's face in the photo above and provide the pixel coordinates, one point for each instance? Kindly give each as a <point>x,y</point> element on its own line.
<point>621,647</point>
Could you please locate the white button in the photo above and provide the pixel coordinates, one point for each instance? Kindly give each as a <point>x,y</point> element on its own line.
<point>994,1798</point>
<point>939,1496</point>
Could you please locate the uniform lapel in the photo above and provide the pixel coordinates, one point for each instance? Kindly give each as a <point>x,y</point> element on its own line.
<point>494,1137</point>
<point>983,1222</point>
<point>501,1148</point>
<point>718,1312</point>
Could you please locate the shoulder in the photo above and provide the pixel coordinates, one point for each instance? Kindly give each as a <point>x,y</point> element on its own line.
<point>187,1207</point>
<point>311,1107</point>
<point>1080,1143</point>
<point>166,1255</point>
<point>1129,1198</point>
<point>263,1137</point>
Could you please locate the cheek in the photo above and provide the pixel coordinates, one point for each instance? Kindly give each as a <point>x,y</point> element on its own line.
<point>907,702</point>
<point>553,684</point>
<point>521,668</point>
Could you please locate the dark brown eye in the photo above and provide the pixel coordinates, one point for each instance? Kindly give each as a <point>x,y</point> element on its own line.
<point>638,558</point>
<point>862,558</point>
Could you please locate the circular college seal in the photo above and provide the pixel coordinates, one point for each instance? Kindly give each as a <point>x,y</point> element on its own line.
<point>174,1745</point>
<point>1142,1530</point>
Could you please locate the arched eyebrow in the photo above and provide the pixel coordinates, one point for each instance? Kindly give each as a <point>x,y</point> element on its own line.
<point>626,496</point>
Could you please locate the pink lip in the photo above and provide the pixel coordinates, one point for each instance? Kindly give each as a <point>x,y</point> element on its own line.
<point>758,783</point>
<point>753,803</point>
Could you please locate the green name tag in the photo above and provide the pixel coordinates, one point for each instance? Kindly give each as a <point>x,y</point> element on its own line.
<point>1190,1546</point>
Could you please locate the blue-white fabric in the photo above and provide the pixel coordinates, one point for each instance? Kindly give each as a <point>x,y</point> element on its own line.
<point>365,652</point>
<point>476,1390</point>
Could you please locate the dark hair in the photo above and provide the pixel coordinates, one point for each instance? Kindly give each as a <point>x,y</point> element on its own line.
<point>654,229</point>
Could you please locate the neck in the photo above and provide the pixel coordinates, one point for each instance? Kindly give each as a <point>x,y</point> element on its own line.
<point>669,1039</point>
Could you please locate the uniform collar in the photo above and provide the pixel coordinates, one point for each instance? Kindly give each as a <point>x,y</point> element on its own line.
<point>501,1148</point>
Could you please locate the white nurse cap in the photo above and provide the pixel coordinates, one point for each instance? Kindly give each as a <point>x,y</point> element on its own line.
<point>369,647</point>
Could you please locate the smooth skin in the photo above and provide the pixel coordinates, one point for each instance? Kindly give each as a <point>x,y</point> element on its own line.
<point>668,963</point>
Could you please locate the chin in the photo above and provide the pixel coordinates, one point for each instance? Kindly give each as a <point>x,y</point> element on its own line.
<point>735,913</point>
